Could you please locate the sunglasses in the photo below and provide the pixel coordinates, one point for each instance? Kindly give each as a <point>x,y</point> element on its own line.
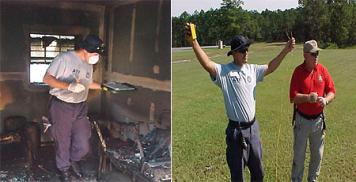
<point>315,54</point>
<point>243,51</point>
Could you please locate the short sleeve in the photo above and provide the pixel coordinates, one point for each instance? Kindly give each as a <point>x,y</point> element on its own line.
<point>57,66</point>
<point>217,79</point>
<point>293,90</point>
<point>260,72</point>
<point>329,83</point>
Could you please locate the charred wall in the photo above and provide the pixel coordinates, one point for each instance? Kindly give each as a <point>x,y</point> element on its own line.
<point>139,54</point>
<point>142,39</point>
<point>15,17</point>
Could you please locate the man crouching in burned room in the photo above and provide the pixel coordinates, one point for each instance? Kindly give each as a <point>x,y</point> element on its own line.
<point>70,78</point>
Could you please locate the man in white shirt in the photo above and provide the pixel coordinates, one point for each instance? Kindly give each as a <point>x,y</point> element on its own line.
<point>237,81</point>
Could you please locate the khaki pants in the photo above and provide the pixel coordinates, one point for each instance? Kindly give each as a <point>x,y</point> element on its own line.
<point>304,130</point>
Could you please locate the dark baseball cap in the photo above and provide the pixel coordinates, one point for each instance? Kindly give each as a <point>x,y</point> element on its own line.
<point>92,43</point>
<point>239,42</point>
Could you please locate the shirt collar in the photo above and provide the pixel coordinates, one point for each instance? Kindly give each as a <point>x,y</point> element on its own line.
<point>239,68</point>
<point>305,68</point>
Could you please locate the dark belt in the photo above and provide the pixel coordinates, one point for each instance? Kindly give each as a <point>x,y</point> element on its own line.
<point>307,116</point>
<point>242,125</point>
<point>52,97</point>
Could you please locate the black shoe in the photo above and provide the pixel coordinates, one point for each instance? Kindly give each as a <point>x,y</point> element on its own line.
<point>76,169</point>
<point>65,176</point>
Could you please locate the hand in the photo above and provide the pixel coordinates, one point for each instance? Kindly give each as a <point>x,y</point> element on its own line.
<point>313,96</point>
<point>323,102</point>
<point>290,44</point>
<point>189,35</point>
<point>76,87</point>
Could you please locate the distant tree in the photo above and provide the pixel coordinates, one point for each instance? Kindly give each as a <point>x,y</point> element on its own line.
<point>231,3</point>
<point>315,16</point>
<point>340,20</point>
<point>352,30</point>
<point>327,21</point>
<point>178,24</point>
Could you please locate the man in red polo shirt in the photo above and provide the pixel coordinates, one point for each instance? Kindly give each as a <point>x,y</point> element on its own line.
<point>311,89</point>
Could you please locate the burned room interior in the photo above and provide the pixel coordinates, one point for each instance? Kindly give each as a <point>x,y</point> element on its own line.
<point>130,117</point>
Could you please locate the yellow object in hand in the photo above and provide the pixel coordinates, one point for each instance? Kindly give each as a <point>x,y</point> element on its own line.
<point>192,30</point>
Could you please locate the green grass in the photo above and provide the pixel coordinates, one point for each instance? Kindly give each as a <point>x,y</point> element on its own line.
<point>199,118</point>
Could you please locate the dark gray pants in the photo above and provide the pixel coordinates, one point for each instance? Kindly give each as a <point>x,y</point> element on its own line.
<point>237,157</point>
<point>70,130</point>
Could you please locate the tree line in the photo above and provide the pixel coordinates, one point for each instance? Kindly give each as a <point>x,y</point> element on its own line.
<point>331,22</point>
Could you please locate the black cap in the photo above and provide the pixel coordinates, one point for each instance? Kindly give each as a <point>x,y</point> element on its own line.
<point>238,42</point>
<point>92,43</point>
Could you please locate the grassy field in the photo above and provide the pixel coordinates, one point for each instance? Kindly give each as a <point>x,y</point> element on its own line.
<point>199,118</point>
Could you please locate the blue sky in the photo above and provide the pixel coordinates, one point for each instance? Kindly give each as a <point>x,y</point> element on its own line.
<point>179,6</point>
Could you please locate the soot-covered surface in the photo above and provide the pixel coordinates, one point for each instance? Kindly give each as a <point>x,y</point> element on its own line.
<point>15,167</point>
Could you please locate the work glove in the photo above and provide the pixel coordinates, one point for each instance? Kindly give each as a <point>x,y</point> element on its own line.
<point>76,87</point>
<point>323,102</point>
<point>313,97</point>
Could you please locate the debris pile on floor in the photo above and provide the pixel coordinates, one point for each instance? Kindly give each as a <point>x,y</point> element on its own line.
<point>146,159</point>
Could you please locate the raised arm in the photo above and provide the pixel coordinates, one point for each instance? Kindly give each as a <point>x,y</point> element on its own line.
<point>274,64</point>
<point>203,59</point>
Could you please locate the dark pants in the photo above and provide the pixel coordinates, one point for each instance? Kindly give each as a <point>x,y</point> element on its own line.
<point>70,130</point>
<point>237,157</point>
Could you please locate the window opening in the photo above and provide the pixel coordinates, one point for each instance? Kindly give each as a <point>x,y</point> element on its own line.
<point>43,49</point>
